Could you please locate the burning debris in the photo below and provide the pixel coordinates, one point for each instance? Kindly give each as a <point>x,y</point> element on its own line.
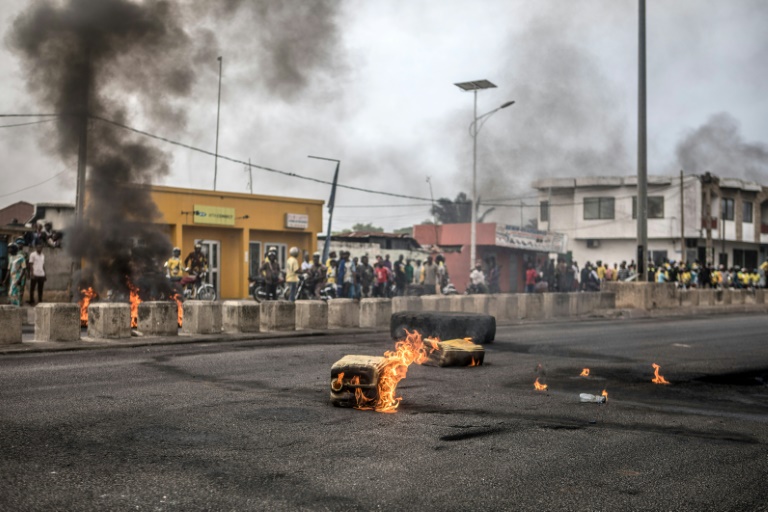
<point>597,399</point>
<point>538,386</point>
<point>459,352</point>
<point>658,379</point>
<point>584,372</point>
<point>370,382</point>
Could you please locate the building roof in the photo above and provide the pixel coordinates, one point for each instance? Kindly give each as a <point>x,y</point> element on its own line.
<point>22,211</point>
<point>631,181</point>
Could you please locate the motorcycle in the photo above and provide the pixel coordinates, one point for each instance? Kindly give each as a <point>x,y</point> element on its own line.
<point>257,288</point>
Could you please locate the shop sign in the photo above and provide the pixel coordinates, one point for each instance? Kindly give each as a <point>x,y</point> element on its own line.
<point>540,241</point>
<point>214,215</point>
<point>296,221</point>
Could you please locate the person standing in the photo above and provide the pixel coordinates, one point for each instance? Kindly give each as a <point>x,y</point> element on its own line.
<point>430,277</point>
<point>382,279</point>
<point>364,277</point>
<point>292,273</point>
<point>306,265</point>
<point>37,273</point>
<point>400,276</point>
<point>17,269</point>
<point>408,272</point>
<point>530,279</point>
<point>270,271</point>
<point>350,277</point>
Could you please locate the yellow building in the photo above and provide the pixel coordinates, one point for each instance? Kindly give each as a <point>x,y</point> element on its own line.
<point>236,230</point>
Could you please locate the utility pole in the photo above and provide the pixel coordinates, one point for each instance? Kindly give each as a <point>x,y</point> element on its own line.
<point>682,220</point>
<point>250,176</point>
<point>708,213</point>
<point>331,201</point>
<point>642,153</point>
<point>218,111</point>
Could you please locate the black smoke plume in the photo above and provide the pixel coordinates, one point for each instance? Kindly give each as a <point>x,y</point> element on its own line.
<point>719,147</point>
<point>94,55</point>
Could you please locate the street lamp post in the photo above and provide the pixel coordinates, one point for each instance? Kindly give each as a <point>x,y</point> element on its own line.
<point>331,202</point>
<point>474,128</point>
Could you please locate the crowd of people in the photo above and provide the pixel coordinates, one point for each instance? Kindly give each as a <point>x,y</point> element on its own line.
<point>568,277</point>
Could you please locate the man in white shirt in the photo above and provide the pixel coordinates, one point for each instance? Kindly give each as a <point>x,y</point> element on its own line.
<point>37,273</point>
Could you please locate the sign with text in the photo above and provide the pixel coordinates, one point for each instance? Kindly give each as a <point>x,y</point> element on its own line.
<point>214,215</point>
<point>296,221</point>
<point>507,236</point>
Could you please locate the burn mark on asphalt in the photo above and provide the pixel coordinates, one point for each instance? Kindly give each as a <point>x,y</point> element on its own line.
<point>750,378</point>
<point>473,433</point>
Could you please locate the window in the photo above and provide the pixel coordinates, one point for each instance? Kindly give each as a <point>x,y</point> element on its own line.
<point>745,258</point>
<point>747,212</point>
<point>726,209</point>
<point>657,257</point>
<point>655,207</point>
<point>254,258</point>
<point>544,211</point>
<point>599,208</point>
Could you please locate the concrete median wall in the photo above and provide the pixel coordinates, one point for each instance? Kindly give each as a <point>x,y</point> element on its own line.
<point>343,313</point>
<point>278,315</point>
<point>57,322</point>
<point>158,318</point>
<point>10,324</point>
<point>201,317</point>
<point>240,316</point>
<point>109,320</point>
<point>311,314</point>
<point>375,313</point>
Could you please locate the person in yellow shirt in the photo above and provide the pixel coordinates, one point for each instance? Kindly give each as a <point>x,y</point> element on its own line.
<point>292,272</point>
<point>600,271</point>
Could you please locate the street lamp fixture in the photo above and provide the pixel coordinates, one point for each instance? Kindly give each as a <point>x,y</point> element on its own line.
<point>474,128</point>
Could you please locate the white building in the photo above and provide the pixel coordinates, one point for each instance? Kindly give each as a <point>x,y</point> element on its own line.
<point>598,215</point>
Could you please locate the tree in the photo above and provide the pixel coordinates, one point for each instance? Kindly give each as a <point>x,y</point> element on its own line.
<point>457,211</point>
<point>368,228</point>
<point>404,231</point>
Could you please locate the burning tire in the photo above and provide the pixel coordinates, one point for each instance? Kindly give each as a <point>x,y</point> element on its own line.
<point>444,325</point>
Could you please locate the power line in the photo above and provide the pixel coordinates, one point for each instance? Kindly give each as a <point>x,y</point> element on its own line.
<point>35,185</point>
<point>26,124</point>
<point>242,162</point>
<point>31,115</point>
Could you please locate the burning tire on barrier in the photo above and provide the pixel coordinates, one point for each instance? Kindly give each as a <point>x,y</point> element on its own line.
<point>444,325</point>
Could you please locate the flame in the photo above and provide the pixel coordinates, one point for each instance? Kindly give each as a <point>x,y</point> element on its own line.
<point>539,386</point>
<point>658,379</point>
<point>337,384</point>
<point>605,394</point>
<point>391,371</point>
<point>135,301</point>
<point>433,342</point>
<point>474,362</point>
<point>180,306</point>
<point>87,295</point>
<point>584,372</point>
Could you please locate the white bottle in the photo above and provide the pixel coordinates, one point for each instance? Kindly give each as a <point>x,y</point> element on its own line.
<point>586,397</point>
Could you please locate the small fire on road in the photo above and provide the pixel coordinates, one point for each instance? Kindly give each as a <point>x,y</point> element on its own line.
<point>538,386</point>
<point>658,379</point>
<point>584,372</point>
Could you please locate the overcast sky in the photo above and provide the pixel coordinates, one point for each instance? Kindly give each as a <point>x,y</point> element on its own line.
<point>372,84</point>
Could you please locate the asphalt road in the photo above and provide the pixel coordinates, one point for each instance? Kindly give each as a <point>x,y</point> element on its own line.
<point>247,425</point>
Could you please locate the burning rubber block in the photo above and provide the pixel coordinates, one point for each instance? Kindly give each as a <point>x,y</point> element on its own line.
<point>10,325</point>
<point>352,373</point>
<point>311,314</point>
<point>343,313</point>
<point>57,322</point>
<point>158,318</point>
<point>444,325</point>
<point>109,320</point>
<point>278,315</point>
<point>460,352</point>
<point>240,316</point>
<point>201,317</point>
<point>375,313</point>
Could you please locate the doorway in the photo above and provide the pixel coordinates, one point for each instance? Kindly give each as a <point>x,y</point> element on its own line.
<point>212,251</point>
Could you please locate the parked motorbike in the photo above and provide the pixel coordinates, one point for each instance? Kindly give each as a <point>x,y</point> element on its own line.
<point>257,288</point>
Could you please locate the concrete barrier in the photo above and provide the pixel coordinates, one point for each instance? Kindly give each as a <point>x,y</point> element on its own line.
<point>375,313</point>
<point>584,303</point>
<point>723,297</point>
<point>607,300</point>
<point>557,305</point>
<point>479,304</point>
<point>689,297</point>
<point>343,313</point>
<point>311,314</point>
<point>759,296</point>
<point>706,297</point>
<point>158,318</point>
<point>530,306</point>
<point>57,322</point>
<point>749,297</point>
<point>109,320</point>
<point>737,296</point>
<point>436,302</point>
<point>10,324</point>
<point>643,295</point>
<point>201,317</point>
<point>504,307</point>
<point>278,315</point>
<point>406,303</point>
<point>240,316</point>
